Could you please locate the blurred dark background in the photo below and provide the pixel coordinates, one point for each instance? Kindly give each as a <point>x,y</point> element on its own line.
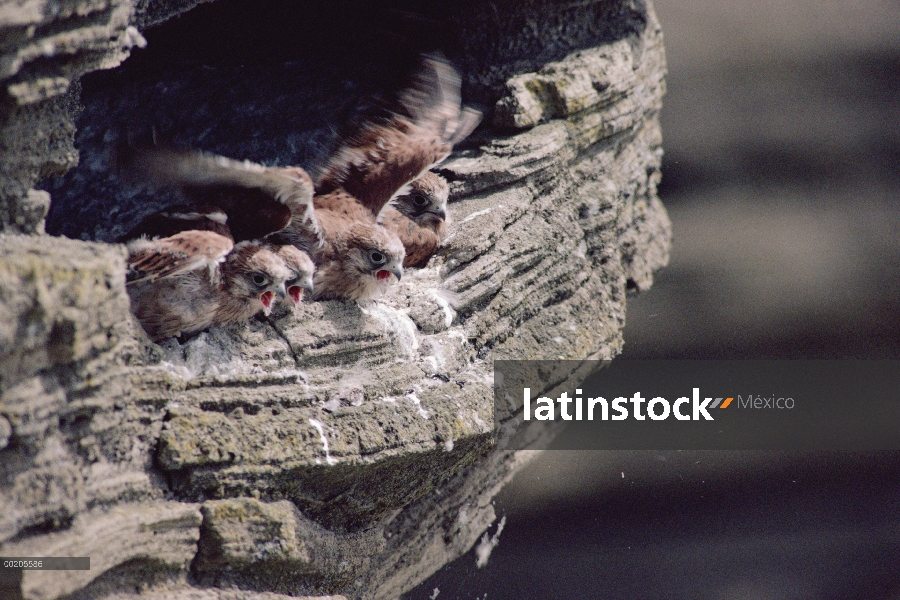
<point>781,128</point>
<point>782,180</point>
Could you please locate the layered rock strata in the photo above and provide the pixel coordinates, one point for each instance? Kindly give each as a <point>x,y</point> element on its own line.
<point>341,449</point>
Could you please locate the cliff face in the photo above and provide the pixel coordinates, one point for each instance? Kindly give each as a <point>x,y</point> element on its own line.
<point>339,449</point>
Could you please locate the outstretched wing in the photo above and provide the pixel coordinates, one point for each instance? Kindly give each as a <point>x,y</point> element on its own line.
<point>183,252</point>
<point>433,100</point>
<point>257,200</point>
<point>384,155</point>
<point>304,230</point>
<point>176,219</point>
<point>303,215</point>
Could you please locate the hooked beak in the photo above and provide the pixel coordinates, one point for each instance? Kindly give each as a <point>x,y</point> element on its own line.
<point>267,298</point>
<point>295,291</point>
<point>281,290</point>
<point>440,212</point>
<point>383,274</point>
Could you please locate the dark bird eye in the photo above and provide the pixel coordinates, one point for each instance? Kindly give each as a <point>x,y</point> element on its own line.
<point>420,200</point>
<point>260,279</point>
<point>377,257</point>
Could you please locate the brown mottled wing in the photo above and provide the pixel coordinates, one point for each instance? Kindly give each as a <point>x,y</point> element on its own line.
<point>383,156</point>
<point>303,214</point>
<point>433,101</point>
<point>458,130</point>
<point>176,219</point>
<point>420,243</point>
<point>433,94</point>
<point>339,201</point>
<point>258,200</point>
<point>177,254</point>
<point>305,230</point>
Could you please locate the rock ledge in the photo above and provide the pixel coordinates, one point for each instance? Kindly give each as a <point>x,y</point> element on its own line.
<point>343,448</point>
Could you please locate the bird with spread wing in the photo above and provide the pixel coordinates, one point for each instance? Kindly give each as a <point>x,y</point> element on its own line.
<point>204,263</point>
<point>250,231</point>
<point>386,159</point>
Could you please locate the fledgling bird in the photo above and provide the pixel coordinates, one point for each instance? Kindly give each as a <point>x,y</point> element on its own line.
<point>252,275</point>
<point>419,218</point>
<point>358,261</point>
<point>302,269</point>
<point>195,279</point>
<point>246,192</point>
<point>356,255</point>
<point>383,155</point>
<point>234,199</point>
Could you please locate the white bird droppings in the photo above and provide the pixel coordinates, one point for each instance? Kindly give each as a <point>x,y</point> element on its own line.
<point>449,313</point>
<point>476,214</point>
<point>487,545</point>
<point>415,400</point>
<point>330,460</point>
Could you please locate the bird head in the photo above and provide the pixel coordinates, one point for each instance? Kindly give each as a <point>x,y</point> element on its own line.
<point>426,202</point>
<point>256,274</point>
<point>374,254</point>
<point>302,269</point>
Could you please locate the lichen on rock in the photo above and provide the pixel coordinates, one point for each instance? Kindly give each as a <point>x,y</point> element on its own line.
<point>337,448</point>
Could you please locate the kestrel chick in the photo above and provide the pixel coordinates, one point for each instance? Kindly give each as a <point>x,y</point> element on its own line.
<point>252,275</point>
<point>358,261</point>
<point>302,269</point>
<point>419,218</point>
<point>174,282</point>
<point>194,279</point>
<point>356,256</point>
<point>384,155</point>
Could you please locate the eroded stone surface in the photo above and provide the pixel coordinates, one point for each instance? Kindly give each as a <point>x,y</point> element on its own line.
<point>63,303</point>
<point>164,533</point>
<point>566,88</point>
<point>47,46</point>
<point>338,448</point>
<point>248,539</point>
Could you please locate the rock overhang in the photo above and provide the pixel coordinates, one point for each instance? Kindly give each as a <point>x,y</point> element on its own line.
<point>351,413</point>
